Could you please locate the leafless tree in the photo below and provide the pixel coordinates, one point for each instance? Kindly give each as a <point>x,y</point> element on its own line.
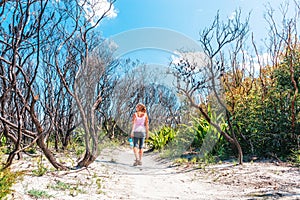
<point>46,69</point>
<point>21,42</point>
<point>78,42</point>
<point>283,43</point>
<point>199,73</point>
<point>138,83</point>
<point>57,104</point>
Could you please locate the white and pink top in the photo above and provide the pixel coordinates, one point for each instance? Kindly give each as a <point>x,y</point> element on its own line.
<point>139,124</point>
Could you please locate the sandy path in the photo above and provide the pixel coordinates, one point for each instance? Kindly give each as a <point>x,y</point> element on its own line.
<point>156,180</point>
<point>113,176</point>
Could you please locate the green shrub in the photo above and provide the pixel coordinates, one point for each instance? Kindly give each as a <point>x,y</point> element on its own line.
<point>61,186</point>
<point>160,138</point>
<point>3,140</point>
<point>41,170</point>
<point>180,144</point>
<point>295,157</point>
<point>207,135</point>
<point>7,179</point>
<point>73,189</point>
<point>3,145</point>
<point>32,150</point>
<point>38,194</point>
<point>181,161</point>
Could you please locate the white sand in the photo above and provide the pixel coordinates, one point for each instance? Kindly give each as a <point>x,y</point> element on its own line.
<point>112,176</point>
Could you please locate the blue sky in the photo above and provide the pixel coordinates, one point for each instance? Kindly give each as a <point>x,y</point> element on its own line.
<point>184,17</point>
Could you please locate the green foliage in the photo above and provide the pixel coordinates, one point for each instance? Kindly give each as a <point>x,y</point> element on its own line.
<point>77,145</point>
<point>208,158</point>
<point>264,111</point>
<point>7,179</point>
<point>61,186</point>
<point>31,150</point>
<point>5,150</point>
<point>3,140</point>
<point>205,132</point>
<point>39,194</point>
<point>159,139</point>
<point>181,161</point>
<point>295,157</point>
<point>79,149</point>
<point>41,169</point>
<point>198,137</point>
<point>3,145</point>
<point>180,144</point>
<point>201,128</point>
<point>73,189</point>
<point>99,185</point>
<point>78,137</point>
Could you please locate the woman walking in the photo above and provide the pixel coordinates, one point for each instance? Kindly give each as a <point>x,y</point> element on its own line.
<point>140,132</point>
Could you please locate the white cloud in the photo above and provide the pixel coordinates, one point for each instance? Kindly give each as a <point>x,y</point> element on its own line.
<point>112,45</point>
<point>96,8</point>
<point>232,15</point>
<point>254,63</point>
<point>198,59</point>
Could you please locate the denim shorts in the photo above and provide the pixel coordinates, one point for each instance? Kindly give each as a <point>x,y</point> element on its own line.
<point>139,139</point>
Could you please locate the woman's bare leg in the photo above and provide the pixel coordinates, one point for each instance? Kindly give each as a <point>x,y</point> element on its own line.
<point>135,151</point>
<point>140,156</point>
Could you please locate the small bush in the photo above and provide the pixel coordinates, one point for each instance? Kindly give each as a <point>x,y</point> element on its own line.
<point>295,157</point>
<point>61,186</point>
<point>3,140</point>
<point>160,138</point>
<point>181,161</point>
<point>32,150</point>
<point>41,170</point>
<point>38,194</point>
<point>73,189</point>
<point>7,179</point>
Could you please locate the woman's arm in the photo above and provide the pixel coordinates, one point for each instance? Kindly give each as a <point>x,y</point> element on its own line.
<point>133,120</point>
<point>147,126</point>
